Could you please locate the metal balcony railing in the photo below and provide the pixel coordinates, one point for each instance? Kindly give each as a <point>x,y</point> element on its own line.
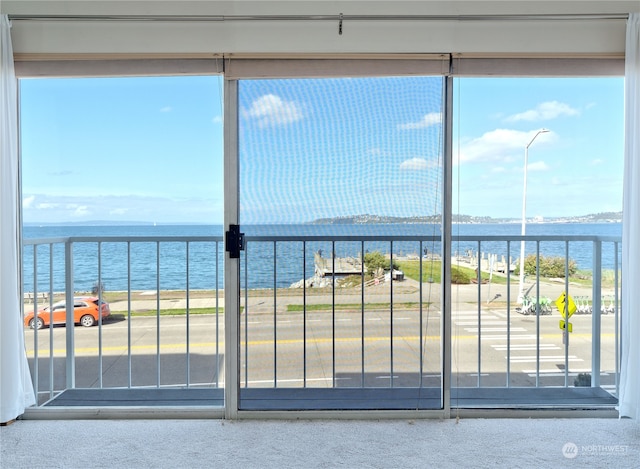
<point>314,315</point>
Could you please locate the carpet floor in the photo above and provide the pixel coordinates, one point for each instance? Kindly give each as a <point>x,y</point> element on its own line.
<point>176,444</point>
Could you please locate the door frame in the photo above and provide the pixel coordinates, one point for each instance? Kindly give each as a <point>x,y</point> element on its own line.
<point>231,266</point>
<point>232,275</point>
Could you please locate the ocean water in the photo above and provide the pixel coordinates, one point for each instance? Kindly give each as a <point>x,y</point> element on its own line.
<point>145,264</point>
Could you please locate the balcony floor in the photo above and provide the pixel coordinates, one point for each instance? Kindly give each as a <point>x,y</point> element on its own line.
<point>342,399</point>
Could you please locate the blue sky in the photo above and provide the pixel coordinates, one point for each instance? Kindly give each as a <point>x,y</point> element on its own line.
<point>574,169</point>
<point>150,149</point>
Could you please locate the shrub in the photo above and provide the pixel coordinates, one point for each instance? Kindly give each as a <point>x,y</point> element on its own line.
<point>374,261</point>
<point>550,267</point>
<point>458,277</point>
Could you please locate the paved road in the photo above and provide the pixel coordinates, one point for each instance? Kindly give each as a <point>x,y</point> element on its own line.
<point>347,346</point>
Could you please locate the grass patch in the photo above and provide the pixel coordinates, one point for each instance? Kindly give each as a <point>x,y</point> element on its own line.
<point>349,307</point>
<point>585,278</point>
<point>171,312</point>
<point>431,272</point>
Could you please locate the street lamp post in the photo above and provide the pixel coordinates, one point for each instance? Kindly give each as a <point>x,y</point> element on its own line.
<point>524,214</point>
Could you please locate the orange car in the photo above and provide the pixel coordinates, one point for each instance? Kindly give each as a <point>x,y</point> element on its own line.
<point>85,312</point>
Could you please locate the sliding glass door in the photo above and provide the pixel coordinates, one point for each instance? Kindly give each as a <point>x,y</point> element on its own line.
<point>340,200</point>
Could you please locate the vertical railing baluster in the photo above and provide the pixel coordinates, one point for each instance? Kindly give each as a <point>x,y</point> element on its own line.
<point>333,314</point>
<point>479,282</point>
<point>565,332</point>
<point>275,315</point>
<point>187,312</point>
<point>100,382</point>
<point>246,319</point>
<point>129,364</point>
<point>362,341</point>
<point>537,313</point>
<point>616,317</point>
<point>217,244</point>
<point>69,324</point>
<point>508,271</point>
<point>304,314</point>
<point>36,365</point>
<point>391,311</point>
<point>596,315</point>
<point>157,314</point>
<point>421,324</point>
<point>51,374</point>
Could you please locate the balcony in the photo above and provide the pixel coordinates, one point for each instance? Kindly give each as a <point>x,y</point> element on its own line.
<point>326,342</point>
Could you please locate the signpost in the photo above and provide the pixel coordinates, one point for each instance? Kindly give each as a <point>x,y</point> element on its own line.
<point>567,307</point>
<point>563,325</point>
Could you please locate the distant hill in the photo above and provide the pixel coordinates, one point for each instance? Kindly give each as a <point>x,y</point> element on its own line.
<point>604,217</point>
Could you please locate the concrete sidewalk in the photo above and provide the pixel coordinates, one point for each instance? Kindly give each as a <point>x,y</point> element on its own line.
<point>406,291</point>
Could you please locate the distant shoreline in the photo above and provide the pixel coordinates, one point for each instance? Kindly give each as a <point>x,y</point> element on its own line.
<point>607,217</point>
<point>340,221</point>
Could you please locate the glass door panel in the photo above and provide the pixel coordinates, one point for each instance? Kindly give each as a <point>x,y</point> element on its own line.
<point>126,175</point>
<point>340,202</point>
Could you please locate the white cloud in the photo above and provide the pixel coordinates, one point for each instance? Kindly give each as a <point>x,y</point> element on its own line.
<point>433,118</point>
<point>166,109</point>
<point>81,211</point>
<point>273,110</point>
<point>500,145</point>
<point>544,111</point>
<point>414,164</point>
<point>47,206</point>
<point>217,120</point>
<point>538,166</point>
<point>596,162</point>
<point>27,201</point>
<point>53,209</point>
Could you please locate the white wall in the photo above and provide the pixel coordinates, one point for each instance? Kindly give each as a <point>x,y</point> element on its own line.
<point>504,36</point>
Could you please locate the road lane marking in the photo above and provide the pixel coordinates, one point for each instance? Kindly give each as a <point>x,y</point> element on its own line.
<point>474,323</point>
<point>505,337</point>
<point>572,358</point>
<point>556,373</point>
<point>61,352</point>
<point>182,346</point>
<point>524,347</point>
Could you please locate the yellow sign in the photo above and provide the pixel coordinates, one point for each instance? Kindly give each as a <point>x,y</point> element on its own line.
<point>570,306</point>
<point>563,325</point>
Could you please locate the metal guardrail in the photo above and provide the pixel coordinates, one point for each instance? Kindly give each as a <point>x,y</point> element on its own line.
<point>273,370</point>
<point>50,271</point>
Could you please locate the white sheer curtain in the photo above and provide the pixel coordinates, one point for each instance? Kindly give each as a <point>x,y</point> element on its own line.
<point>16,390</point>
<point>630,366</point>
